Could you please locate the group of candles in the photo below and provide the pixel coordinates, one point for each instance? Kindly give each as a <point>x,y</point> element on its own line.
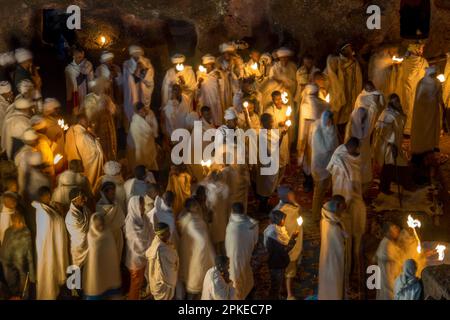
<point>413,224</point>
<point>398,60</point>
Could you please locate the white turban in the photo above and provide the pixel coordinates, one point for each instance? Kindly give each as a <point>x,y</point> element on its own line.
<point>178,58</point>
<point>35,159</point>
<point>133,50</point>
<point>227,47</point>
<point>24,86</point>
<point>21,104</point>
<point>22,55</point>
<point>7,59</point>
<point>106,55</point>
<point>230,114</point>
<point>430,71</point>
<point>50,104</point>
<point>5,87</point>
<point>207,59</point>
<point>29,135</point>
<point>311,88</point>
<point>112,168</point>
<point>284,52</point>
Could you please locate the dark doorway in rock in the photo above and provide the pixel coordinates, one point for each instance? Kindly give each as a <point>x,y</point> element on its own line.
<point>182,37</point>
<point>55,32</point>
<point>415,16</point>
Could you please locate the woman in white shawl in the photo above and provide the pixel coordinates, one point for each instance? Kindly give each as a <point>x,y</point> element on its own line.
<point>114,216</point>
<point>196,250</point>
<point>112,170</point>
<point>137,231</point>
<point>407,286</point>
<point>141,145</point>
<point>324,141</point>
<point>335,86</point>
<point>174,113</point>
<point>217,284</point>
<point>51,248</point>
<point>163,212</point>
<point>101,275</point>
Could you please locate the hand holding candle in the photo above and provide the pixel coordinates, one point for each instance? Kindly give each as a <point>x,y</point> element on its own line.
<point>202,69</point>
<point>179,67</point>
<point>397,60</point>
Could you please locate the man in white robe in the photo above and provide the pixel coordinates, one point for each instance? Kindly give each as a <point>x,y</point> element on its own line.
<point>324,141</point>
<point>82,144</point>
<point>51,113</point>
<point>6,99</point>
<point>332,261</point>
<point>78,74</point>
<point>304,76</point>
<point>196,249</point>
<point>209,89</point>
<point>51,248</point>
<point>390,260</point>
<point>174,113</point>
<point>284,73</point>
<point>15,124</point>
<point>253,67</point>
<point>345,169</point>
<point>111,72</point>
<point>217,284</point>
<point>231,67</point>
<point>182,75</point>
<point>77,224</point>
<point>138,80</point>
<point>163,264</point>
<point>21,160</point>
<point>138,185</point>
<point>163,212</point>
<point>113,173</point>
<point>141,145</point>
<point>240,241</point>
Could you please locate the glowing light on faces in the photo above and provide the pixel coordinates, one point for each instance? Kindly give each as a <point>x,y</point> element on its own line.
<point>300,221</point>
<point>441,251</point>
<point>57,158</point>
<point>441,78</point>
<point>202,69</point>
<point>328,98</point>
<point>179,67</point>
<point>397,60</point>
<point>413,224</point>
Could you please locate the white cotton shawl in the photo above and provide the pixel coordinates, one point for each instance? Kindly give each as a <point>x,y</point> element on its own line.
<point>141,144</point>
<point>77,223</point>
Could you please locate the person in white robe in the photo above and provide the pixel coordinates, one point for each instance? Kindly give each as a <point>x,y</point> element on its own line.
<point>163,264</point>
<point>412,70</point>
<point>407,286</point>
<point>231,67</point>
<point>137,230</point>
<point>21,160</point>
<point>182,75</point>
<point>138,80</point>
<point>82,144</point>
<point>217,284</point>
<point>114,216</point>
<point>247,92</point>
<point>101,275</point>
<point>372,100</point>
<point>196,249</point>
<point>141,145</point>
<point>51,248</point>
<point>209,89</point>
<point>111,72</point>
<point>112,170</point>
<point>382,69</point>
<point>332,260</point>
<point>9,207</point>
<point>304,76</point>
<point>33,176</point>
<point>389,258</point>
<point>174,113</point>
<point>51,110</point>
<point>6,99</point>
<point>253,67</point>
<point>78,74</point>
<point>163,212</point>
<point>427,114</point>
<point>77,224</point>
<point>15,124</point>
<point>324,141</point>
<point>311,110</point>
<point>240,240</point>
<point>138,185</point>
<point>345,169</point>
<point>284,73</point>
<point>150,196</point>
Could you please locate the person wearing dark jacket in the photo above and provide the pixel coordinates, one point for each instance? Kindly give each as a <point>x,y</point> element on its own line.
<point>278,244</point>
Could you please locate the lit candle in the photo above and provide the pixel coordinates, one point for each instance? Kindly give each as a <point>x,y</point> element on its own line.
<point>397,60</point>
<point>284,97</point>
<point>255,66</point>
<point>415,224</point>
<point>245,104</point>
<point>288,123</point>
<point>202,69</point>
<point>327,98</point>
<point>441,251</point>
<point>179,67</point>
<point>63,126</point>
<point>57,158</point>
<point>288,111</point>
<point>300,221</point>
<point>102,40</point>
<point>441,78</point>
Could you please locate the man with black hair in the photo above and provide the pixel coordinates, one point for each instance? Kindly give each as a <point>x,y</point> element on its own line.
<point>217,284</point>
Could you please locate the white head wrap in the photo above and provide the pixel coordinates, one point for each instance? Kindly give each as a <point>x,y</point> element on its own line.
<point>22,104</point>
<point>230,114</point>
<point>22,55</point>
<point>106,55</point>
<point>35,159</point>
<point>178,58</point>
<point>7,59</point>
<point>207,59</point>
<point>50,104</point>
<point>135,50</point>
<point>227,47</point>
<point>112,168</point>
<point>5,87</point>
<point>284,52</point>
<point>311,88</point>
<point>29,135</point>
<point>24,86</point>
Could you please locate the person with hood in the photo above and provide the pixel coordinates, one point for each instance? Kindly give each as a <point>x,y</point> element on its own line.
<point>163,212</point>
<point>407,286</point>
<point>137,230</point>
<point>112,170</point>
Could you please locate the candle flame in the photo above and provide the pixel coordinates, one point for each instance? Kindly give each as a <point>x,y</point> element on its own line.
<point>288,123</point>
<point>202,69</point>
<point>397,59</point>
<point>179,67</point>
<point>57,158</point>
<point>284,97</point>
<point>328,98</point>
<point>414,223</point>
<point>255,66</point>
<point>300,221</point>
<point>102,40</point>
<point>288,111</point>
<point>441,251</point>
<point>441,78</point>
<point>245,104</point>
<point>63,126</point>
